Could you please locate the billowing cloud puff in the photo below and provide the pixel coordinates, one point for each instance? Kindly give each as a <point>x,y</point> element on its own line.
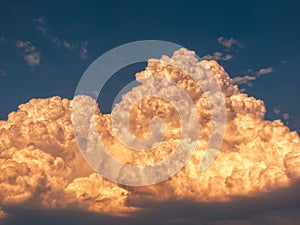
<point>40,161</point>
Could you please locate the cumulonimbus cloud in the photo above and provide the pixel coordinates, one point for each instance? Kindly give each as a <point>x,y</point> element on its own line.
<point>40,161</point>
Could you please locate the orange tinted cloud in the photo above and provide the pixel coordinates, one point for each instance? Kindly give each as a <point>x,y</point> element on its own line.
<point>40,161</point>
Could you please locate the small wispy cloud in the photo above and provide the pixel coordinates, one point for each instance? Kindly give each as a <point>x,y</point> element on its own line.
<point>3,72</point>
<point>224,56</point>
<point>276,110</point>
<point>55,40</point>
<point>83,50</point>
<point>68,45</point>
<point>30,53</point>
<point>227,57</point>
<point>218,56</point>
<point>2,39</point>
<point>252,76</point>
<point>41,26</point>
<point>264,71</point>
<point>243,79</point>
<point>286,116</point>
<point>228,43</point>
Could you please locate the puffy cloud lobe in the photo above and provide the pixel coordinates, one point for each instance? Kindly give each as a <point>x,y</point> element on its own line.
<point>40,160</point>
<point>31,174</point>
<point>97,194</point>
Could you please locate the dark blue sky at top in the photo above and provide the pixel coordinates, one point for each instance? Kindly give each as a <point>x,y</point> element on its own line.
<point>268,30</point>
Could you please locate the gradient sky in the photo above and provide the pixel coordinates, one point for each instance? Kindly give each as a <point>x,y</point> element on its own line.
<point>45,47</point>
<point>267,35</point>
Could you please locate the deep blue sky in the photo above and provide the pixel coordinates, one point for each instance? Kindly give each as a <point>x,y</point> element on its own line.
<point>267,30</point>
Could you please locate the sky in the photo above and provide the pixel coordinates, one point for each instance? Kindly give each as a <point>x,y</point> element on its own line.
<point>46,46</point>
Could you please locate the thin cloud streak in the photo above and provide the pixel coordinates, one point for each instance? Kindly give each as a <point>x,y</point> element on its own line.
<point>247,79</point>
<point>264,71</point>
<point>244,79</point>
<point>68,45</point>
<point>83,50</point>
<point>218,56</point>
<point>41,26</point>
